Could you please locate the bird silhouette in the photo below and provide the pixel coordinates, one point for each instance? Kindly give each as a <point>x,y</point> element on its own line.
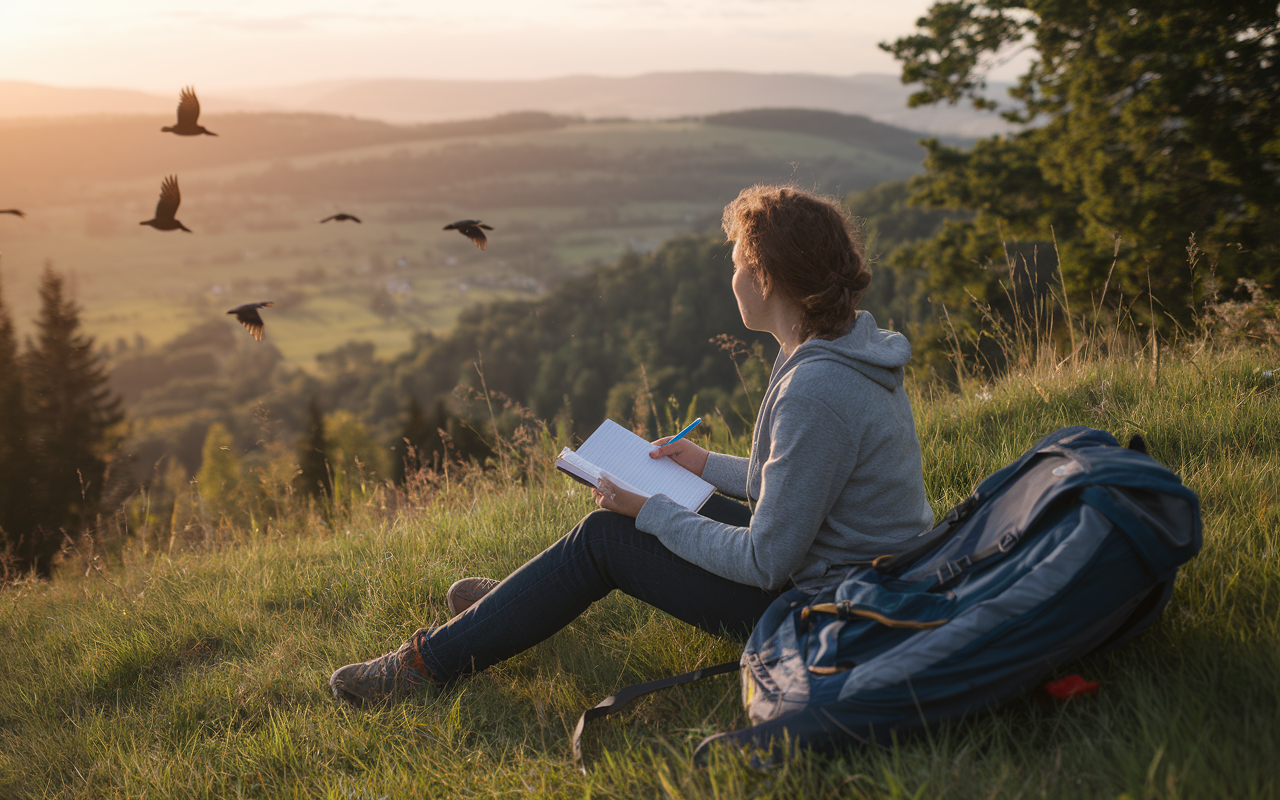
<point>12,211</point>
<point>188,113</point>
<point>167,207</point>
<point>470,228</point>
<point>340,218</point>
<point>248,316</point>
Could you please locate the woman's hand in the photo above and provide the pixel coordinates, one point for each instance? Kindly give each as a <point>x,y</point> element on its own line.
<point>684,452</point>
<point>609,497</point>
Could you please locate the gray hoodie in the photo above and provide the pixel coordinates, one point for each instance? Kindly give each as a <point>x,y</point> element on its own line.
<point>834,468</point>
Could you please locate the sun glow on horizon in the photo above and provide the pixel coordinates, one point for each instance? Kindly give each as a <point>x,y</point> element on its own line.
<point>238,44</point>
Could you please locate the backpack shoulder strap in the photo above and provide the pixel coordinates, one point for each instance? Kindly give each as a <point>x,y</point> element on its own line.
<point>619,700</point>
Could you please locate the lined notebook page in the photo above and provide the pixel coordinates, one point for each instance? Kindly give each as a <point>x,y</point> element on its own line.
<point>618,451</point>
<point>575,464</point>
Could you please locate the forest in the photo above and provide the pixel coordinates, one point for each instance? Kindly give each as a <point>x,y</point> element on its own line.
<point>646,341</point>
<point>992,238</point>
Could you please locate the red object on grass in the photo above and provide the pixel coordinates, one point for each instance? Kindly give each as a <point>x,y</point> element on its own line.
<point>1070,687</point>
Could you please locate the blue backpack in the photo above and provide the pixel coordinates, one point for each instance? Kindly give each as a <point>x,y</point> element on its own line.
<point>1070,550</point>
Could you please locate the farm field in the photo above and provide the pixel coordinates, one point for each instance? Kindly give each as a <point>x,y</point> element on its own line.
<point>562,194</point>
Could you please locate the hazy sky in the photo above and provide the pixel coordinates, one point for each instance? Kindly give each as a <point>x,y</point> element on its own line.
<point>229,44</point>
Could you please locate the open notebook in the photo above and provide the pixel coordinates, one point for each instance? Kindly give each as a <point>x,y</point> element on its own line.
<point>625,456</point>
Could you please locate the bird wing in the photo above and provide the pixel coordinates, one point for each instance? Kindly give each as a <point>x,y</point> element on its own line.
<point>252,320</point>
<point>13,211</point>
<point>328,219</point>
<point>486,227</point>
<point>353,218</point>
<point>188,108</point>
<point>170,198</point>
<point>476,235</point>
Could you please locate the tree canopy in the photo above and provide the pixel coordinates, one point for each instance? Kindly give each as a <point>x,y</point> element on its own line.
<point>1151,121</point>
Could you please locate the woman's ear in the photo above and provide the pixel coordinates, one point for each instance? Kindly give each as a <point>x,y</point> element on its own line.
<point>762,283</point>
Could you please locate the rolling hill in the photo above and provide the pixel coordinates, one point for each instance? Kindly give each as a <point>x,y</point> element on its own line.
<point>563,193</point>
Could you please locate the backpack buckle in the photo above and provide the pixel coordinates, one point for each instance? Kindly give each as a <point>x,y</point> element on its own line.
<point>1007,541</point>
<point>951,569</point>
<point>961,511</point>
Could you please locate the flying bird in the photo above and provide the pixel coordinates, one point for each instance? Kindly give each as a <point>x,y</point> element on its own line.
<point>340,218</point>
<point>167,207</point>
<point>12,211</point>
<point>248,316</point>
<point>470,228</point>
<point>188,113</point>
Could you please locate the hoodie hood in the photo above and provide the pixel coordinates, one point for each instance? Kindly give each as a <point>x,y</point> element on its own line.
<point>837,442</point>
<point>878,354</point>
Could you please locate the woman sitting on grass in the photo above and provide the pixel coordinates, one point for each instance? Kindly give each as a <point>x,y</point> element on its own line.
<point>834,474</point>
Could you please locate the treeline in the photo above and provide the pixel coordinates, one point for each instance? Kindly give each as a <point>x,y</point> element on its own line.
<point>630,341</point>
<point>59,423</point>
<point>852,129</point>
<point>507,174</point>
<point>633,341</point>
<point>1145,191</point>
<point>225,434</point>
<point>219,423</point>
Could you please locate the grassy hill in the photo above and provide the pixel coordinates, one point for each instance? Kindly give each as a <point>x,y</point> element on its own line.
<point>193,663</point>
<point>562,194</point>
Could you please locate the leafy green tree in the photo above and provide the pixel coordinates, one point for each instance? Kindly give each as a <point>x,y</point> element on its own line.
<point>314,478</point>
<point>420,444</point>
<point>355,458</point>
<point>219,480</point>
<point>886,219</point>
<point>888,223</point>
<point>1156,119</point>
<point>16,519</point>
<point>73,416</point>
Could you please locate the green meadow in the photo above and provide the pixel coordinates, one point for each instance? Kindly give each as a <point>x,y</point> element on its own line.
<point>194,663</point>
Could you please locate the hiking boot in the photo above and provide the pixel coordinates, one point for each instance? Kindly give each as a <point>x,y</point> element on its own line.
<point>393,676</point>
<point>467,592</point>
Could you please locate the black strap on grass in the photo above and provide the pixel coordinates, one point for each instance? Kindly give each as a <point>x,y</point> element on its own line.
<point>619,700</point>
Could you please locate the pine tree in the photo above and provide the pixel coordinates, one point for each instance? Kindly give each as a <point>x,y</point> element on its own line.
<point>468,443</point>
<point>314,479</point>
<point>72,414</point>
<point>15,458</point>
<point>420,445</point>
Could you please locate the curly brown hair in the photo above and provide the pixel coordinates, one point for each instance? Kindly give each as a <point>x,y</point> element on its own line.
<point>801,244</point>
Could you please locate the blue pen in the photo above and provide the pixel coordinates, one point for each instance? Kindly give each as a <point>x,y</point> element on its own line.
<point>687,428</point>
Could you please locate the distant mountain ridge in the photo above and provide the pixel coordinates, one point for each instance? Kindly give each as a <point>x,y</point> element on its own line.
<point>661,95</point>
<point>21,100</point>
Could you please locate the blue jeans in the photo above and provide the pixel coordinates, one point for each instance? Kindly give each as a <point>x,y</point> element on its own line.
<point>603,552</point>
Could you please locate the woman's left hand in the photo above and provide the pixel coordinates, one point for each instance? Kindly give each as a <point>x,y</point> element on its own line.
<point>609,497</point>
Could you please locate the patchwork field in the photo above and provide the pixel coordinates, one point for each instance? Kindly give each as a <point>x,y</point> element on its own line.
<point>562,195</point>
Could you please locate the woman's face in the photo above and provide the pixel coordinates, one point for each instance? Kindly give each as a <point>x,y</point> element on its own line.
<point>751,300</point>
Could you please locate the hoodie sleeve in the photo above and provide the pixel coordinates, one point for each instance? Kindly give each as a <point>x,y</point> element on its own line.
<point>810,461</point>
<point>727,473</point>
